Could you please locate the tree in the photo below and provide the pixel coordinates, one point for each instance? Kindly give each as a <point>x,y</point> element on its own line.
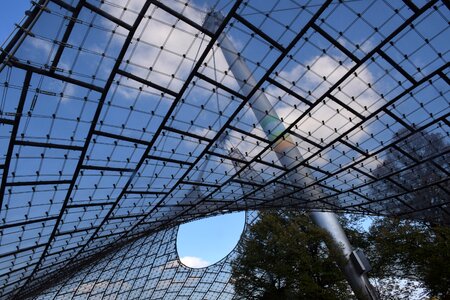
<point>283,256</point>
<point>394,288</point>
<point>416,169</point>
<point>412,250</point>
<point>403,248</point>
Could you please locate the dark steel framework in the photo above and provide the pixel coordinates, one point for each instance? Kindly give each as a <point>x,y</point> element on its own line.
<point>149,268</point>
<point>101,148</point>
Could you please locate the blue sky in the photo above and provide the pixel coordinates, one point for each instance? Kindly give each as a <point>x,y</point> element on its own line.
<point>220,232</point>
<point>209,239</point>
<point>11,12</point>
<point>200,242</point>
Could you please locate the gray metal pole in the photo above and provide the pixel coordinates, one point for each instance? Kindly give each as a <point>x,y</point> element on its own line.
<point>273,127</point>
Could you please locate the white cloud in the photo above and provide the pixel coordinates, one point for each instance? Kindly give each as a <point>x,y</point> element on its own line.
<point>40,45</point>
<point>194,262</point>
<point>327,67</point>
<point>158,32</point>
<point>181,40</point>
<point>334,115</point>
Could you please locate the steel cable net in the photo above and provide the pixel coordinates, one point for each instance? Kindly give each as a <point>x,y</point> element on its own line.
<point>121,120</point>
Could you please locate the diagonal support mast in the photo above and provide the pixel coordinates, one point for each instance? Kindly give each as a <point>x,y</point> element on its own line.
<point>273,126</point>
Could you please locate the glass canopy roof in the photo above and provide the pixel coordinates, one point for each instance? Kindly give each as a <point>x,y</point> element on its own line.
<point>119,119</point>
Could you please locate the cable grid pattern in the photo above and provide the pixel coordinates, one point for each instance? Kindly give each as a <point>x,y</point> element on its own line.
<point>120,120</point>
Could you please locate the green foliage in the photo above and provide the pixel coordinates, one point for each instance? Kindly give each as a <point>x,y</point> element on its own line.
<point>284,256</point>
<point>412,250</point>
<point>419,250</point>
<point>402,173</point>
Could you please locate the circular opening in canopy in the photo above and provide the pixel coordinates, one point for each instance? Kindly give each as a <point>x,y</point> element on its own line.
<point>204,242</point>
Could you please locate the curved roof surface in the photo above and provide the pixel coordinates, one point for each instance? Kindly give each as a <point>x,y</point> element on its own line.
<point>119,120</point>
